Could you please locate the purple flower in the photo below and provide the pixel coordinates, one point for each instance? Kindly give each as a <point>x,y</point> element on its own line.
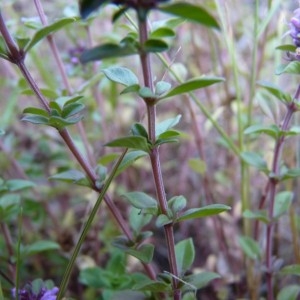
<point>295,27</point>
<point>36,291</point>
<point>50,294</point>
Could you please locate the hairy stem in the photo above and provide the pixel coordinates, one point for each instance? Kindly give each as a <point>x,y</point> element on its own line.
<point>155,160</point>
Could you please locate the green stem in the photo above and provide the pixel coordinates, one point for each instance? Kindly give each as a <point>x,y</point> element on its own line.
<point>253,71</point>
<point>86,228</point>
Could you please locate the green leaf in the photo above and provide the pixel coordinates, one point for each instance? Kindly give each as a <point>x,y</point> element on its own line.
<point>197,165</point>
<point>146,92</point>
<point>152,286</point>
<point>59,122</point>
<point>250,247</point>
<point>191,12</point>
<point>36,111</point>
<point>122,242</point>
<point>129,159</point>
<point>131,89</point>
<point>45,31</point>
<point>155,45</point>
<point>199,280</point>
<point>4,56</point>
<point>254,159</point>
<point>137,220</point>
<point>72,109</point>
<point>22,42</point>
<point>290,270</point>
<point>290,48</point>
<point>171,23</point>
<point>159,142</point>
<point>141,201</point>
<point>63,102</point>
<point>88,6</point>
<point>185,255</point>
<point>117,263</point>
<point>9,206</point>
<point>162,220</point>
<point>35,119</point>
<point>294,130</point>
<point>95,277</point>
<point>166,125</point>
<point>121,75</point>
<point>162,32</point>
<point>131,142</point>
<point>291,68</point>
<point>138,129</point>
<point>258,215</point>
<point>177,204</point>
<point>72,176</point>
<point>291,174</point>
<point>168,134</point>
<point>191,85</point>
<point>202,212</point>
<point>283,201</point>
<point>108,51</point>
<point>162,87</point>
<point>189,295</point>
<point>289,292</point>
<point>143,253</point>
<point>271,130</point>
<point>119,13</point>
<point>107,158</point>
<point>275,91</point>
<point>19,184</point>
<point>3,49</point>
<point>40,246</point>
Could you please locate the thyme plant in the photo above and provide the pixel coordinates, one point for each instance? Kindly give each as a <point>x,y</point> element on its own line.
<point>137,65</point>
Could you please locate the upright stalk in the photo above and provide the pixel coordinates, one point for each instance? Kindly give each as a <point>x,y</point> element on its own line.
<point>155,160</point>
<point>273,181</point>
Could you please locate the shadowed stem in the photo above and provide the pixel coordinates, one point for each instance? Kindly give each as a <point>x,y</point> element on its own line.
<point>155,160</point>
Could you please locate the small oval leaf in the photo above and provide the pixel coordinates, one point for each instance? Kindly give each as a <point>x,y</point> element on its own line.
<point>191,85</point>
<point>191,12</point>
<point>121,75</point>
<point>202,212</point>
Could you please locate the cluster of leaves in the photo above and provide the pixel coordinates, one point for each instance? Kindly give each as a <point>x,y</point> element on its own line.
<point>64,111</point>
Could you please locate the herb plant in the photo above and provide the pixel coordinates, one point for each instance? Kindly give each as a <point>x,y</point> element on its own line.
<point>109,114</point>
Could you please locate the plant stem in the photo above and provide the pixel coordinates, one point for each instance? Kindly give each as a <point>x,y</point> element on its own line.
<point>86,228</point>
<point>80,159</point>
<point>273,181</point>
<point>155,160</point>
<point>14,53</point>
